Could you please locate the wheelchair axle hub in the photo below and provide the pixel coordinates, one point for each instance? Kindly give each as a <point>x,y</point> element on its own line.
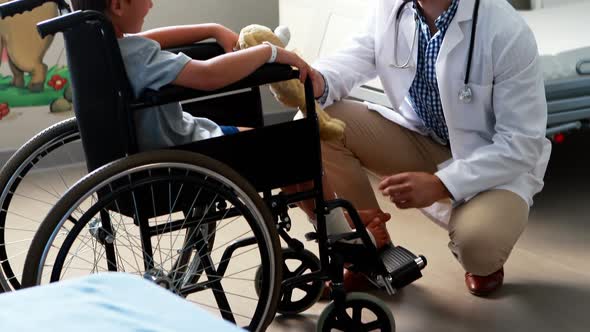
<point>160,278</point>
<point>99,233</point>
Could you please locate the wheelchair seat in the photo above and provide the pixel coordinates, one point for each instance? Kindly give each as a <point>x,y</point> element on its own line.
<point>164,214</point>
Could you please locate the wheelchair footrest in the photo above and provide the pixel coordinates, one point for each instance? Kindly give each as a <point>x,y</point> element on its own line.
<point>403,267</point>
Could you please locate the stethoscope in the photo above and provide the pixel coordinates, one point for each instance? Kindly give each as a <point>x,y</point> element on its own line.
<point>465,94</point>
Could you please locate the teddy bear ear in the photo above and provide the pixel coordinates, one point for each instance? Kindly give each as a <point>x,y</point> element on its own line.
<point>284,34</point>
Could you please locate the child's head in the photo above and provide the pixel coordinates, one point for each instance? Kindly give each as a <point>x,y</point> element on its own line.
<point>126,15</point>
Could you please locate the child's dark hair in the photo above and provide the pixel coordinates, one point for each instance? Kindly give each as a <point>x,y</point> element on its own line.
<point>99,5</point>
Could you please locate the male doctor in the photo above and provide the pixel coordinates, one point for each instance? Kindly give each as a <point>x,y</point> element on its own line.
<point>470,152</point>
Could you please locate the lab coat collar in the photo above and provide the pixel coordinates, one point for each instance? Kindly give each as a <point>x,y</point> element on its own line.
<point>453,36</point>
<point>455,33</point>
<point>465,11</point>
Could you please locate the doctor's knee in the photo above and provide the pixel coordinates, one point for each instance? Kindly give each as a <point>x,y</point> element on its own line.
<point>478,255</point>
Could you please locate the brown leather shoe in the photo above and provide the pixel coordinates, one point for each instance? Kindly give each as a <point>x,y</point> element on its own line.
<point>484,285</point>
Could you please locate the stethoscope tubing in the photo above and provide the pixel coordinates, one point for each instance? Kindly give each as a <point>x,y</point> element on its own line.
<point>471,42</point>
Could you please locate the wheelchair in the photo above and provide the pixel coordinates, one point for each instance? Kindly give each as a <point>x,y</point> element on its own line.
<point>202,220</point>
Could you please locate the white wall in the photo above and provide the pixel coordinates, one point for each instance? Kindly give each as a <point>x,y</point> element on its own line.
<point>234,14</point>
<point>553,3</point>
<point>312,21</point>
<point>23,123</point>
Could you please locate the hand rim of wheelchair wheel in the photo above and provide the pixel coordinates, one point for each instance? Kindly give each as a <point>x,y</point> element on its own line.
<point>213,170</point>
<point>358,302</point>
<point>313,290</point>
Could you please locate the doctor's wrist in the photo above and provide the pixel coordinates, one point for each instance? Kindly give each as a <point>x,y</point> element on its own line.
<point>444,191</point>
<point>321,88</point>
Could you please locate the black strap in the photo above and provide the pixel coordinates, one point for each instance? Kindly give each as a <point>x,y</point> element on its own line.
<point>472,43</point>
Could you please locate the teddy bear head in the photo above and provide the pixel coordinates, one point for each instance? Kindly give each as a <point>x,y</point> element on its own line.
<point>256,34</point>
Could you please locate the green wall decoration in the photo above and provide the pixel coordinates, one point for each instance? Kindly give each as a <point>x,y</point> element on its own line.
<point>56,84</point>
<point>30,82</point>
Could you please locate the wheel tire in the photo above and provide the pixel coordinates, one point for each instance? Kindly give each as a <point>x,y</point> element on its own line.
<point>11,176</point>
<point>364,301</point>
<point>314,291</point>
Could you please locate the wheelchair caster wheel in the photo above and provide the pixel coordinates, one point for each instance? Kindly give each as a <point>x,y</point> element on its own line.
<point>356,304</point>
<point>299,297</point>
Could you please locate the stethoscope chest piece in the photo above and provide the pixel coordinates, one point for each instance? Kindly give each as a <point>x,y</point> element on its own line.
<point>465,94</point>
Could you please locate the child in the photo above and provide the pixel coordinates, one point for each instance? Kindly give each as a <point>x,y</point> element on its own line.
<point>148,67</point>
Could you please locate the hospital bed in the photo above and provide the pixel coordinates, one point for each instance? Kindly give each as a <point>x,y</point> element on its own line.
<point>564,46</point>
<point>104,302</point>
<point>561,32</point>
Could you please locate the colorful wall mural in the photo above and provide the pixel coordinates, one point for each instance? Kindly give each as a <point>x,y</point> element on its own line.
<point>41,97</point>
<point>30,81</point>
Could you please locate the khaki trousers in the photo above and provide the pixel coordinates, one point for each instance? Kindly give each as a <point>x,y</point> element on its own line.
<point>482,231</point>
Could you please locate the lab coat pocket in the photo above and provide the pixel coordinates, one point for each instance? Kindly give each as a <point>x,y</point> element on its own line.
<point>473,116</point>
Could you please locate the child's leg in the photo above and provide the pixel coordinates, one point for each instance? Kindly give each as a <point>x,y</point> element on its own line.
<point>337,222</point>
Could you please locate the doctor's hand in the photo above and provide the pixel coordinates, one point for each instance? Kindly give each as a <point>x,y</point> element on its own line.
<point>413,189</point>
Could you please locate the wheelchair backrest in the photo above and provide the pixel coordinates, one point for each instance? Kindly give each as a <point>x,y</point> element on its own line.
<point>101,92</point>
<point>104,102</point>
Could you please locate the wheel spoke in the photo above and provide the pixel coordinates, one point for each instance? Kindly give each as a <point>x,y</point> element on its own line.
<point>307,288</point>
<point>375,325</point>
<point>357,314</point>
<point>287,296</point>
<point>302,268</point>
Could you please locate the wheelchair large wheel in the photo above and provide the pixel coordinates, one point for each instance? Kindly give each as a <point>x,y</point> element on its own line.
<point>153,214</point>
<point>31,182</point>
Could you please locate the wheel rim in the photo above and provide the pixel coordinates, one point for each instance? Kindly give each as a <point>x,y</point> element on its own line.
<point>110,199</point>
<point>308,293</point>
<point>29,194</point>
<point>362,312</point>
<point>299,297</point>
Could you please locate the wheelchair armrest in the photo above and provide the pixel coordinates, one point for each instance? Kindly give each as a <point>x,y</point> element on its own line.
<point>268,73</point>
<point>199,51</point>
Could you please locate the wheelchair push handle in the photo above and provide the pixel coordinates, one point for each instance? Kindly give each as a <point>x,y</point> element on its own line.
<point>20,6</point>
<point>67,21</point>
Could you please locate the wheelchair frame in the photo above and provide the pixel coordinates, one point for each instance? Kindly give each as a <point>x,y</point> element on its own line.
<point>93,107</point>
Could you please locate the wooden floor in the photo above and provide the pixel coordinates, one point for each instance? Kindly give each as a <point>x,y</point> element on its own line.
<point>547,282</point>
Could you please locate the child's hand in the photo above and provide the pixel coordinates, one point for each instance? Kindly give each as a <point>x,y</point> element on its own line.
<point>226,38</point>
<point>290,58</point>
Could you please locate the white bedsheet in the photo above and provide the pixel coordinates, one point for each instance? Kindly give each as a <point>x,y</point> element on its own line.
<point>112,302</point>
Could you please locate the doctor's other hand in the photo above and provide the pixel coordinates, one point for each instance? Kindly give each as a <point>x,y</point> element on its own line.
<point>413,189</point>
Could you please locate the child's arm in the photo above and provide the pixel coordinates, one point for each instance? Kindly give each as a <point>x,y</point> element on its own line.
<point>231,67</point>
<point>188,34</point>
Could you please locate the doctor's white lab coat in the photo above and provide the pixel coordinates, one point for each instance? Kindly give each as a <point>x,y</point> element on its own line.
<point>498,140</point>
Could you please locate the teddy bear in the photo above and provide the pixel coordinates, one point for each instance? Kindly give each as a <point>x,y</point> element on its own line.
<point>289,93</point>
